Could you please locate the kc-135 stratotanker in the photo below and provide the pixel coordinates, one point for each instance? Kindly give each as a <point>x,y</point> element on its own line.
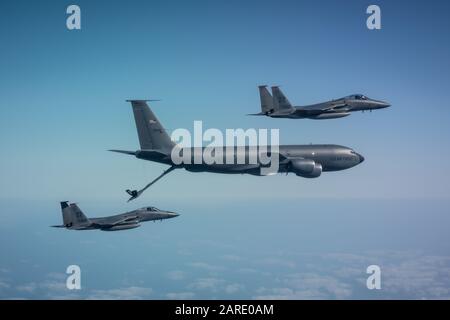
<point>308,161</point>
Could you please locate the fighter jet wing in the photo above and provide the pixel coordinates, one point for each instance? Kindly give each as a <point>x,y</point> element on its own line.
<point>128,220</point>
<point>327,106</point>
<point>341,107</point>
<point>113,221</point>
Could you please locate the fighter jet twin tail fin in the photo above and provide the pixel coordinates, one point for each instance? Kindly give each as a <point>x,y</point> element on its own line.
<point>273,103</point>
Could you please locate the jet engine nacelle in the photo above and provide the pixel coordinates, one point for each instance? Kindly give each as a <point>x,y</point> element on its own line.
<point>325,116</point>
<point>306,168</point>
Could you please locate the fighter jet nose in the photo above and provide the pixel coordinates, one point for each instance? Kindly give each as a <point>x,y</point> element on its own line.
<point>361,158</point>
<point>384,104</point>
<point>379,104</point>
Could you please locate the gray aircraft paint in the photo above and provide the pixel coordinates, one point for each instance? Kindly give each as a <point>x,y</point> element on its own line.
<point>75,219</point>
<point>278,106</point>
<point>307,161</point>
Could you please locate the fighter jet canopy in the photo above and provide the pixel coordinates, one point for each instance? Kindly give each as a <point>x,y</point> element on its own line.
<point>357,97</point>
<point>153,209</point>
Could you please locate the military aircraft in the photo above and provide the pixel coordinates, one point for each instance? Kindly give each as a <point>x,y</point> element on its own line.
<point>307,161</point>
<point>279,106</point>
<point>74,218</point>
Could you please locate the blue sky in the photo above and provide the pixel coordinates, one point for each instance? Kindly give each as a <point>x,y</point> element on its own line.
<point>63,105</point>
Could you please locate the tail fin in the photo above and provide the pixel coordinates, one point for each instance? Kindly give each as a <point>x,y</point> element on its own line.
<point>266,100</point>
<point>281,103</point>
<point>150,131</point>
<point>72,215</point>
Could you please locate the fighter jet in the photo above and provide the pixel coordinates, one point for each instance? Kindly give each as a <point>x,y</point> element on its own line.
<point>307,161</point>
<point>74,218</point>
<point>279,106</point>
